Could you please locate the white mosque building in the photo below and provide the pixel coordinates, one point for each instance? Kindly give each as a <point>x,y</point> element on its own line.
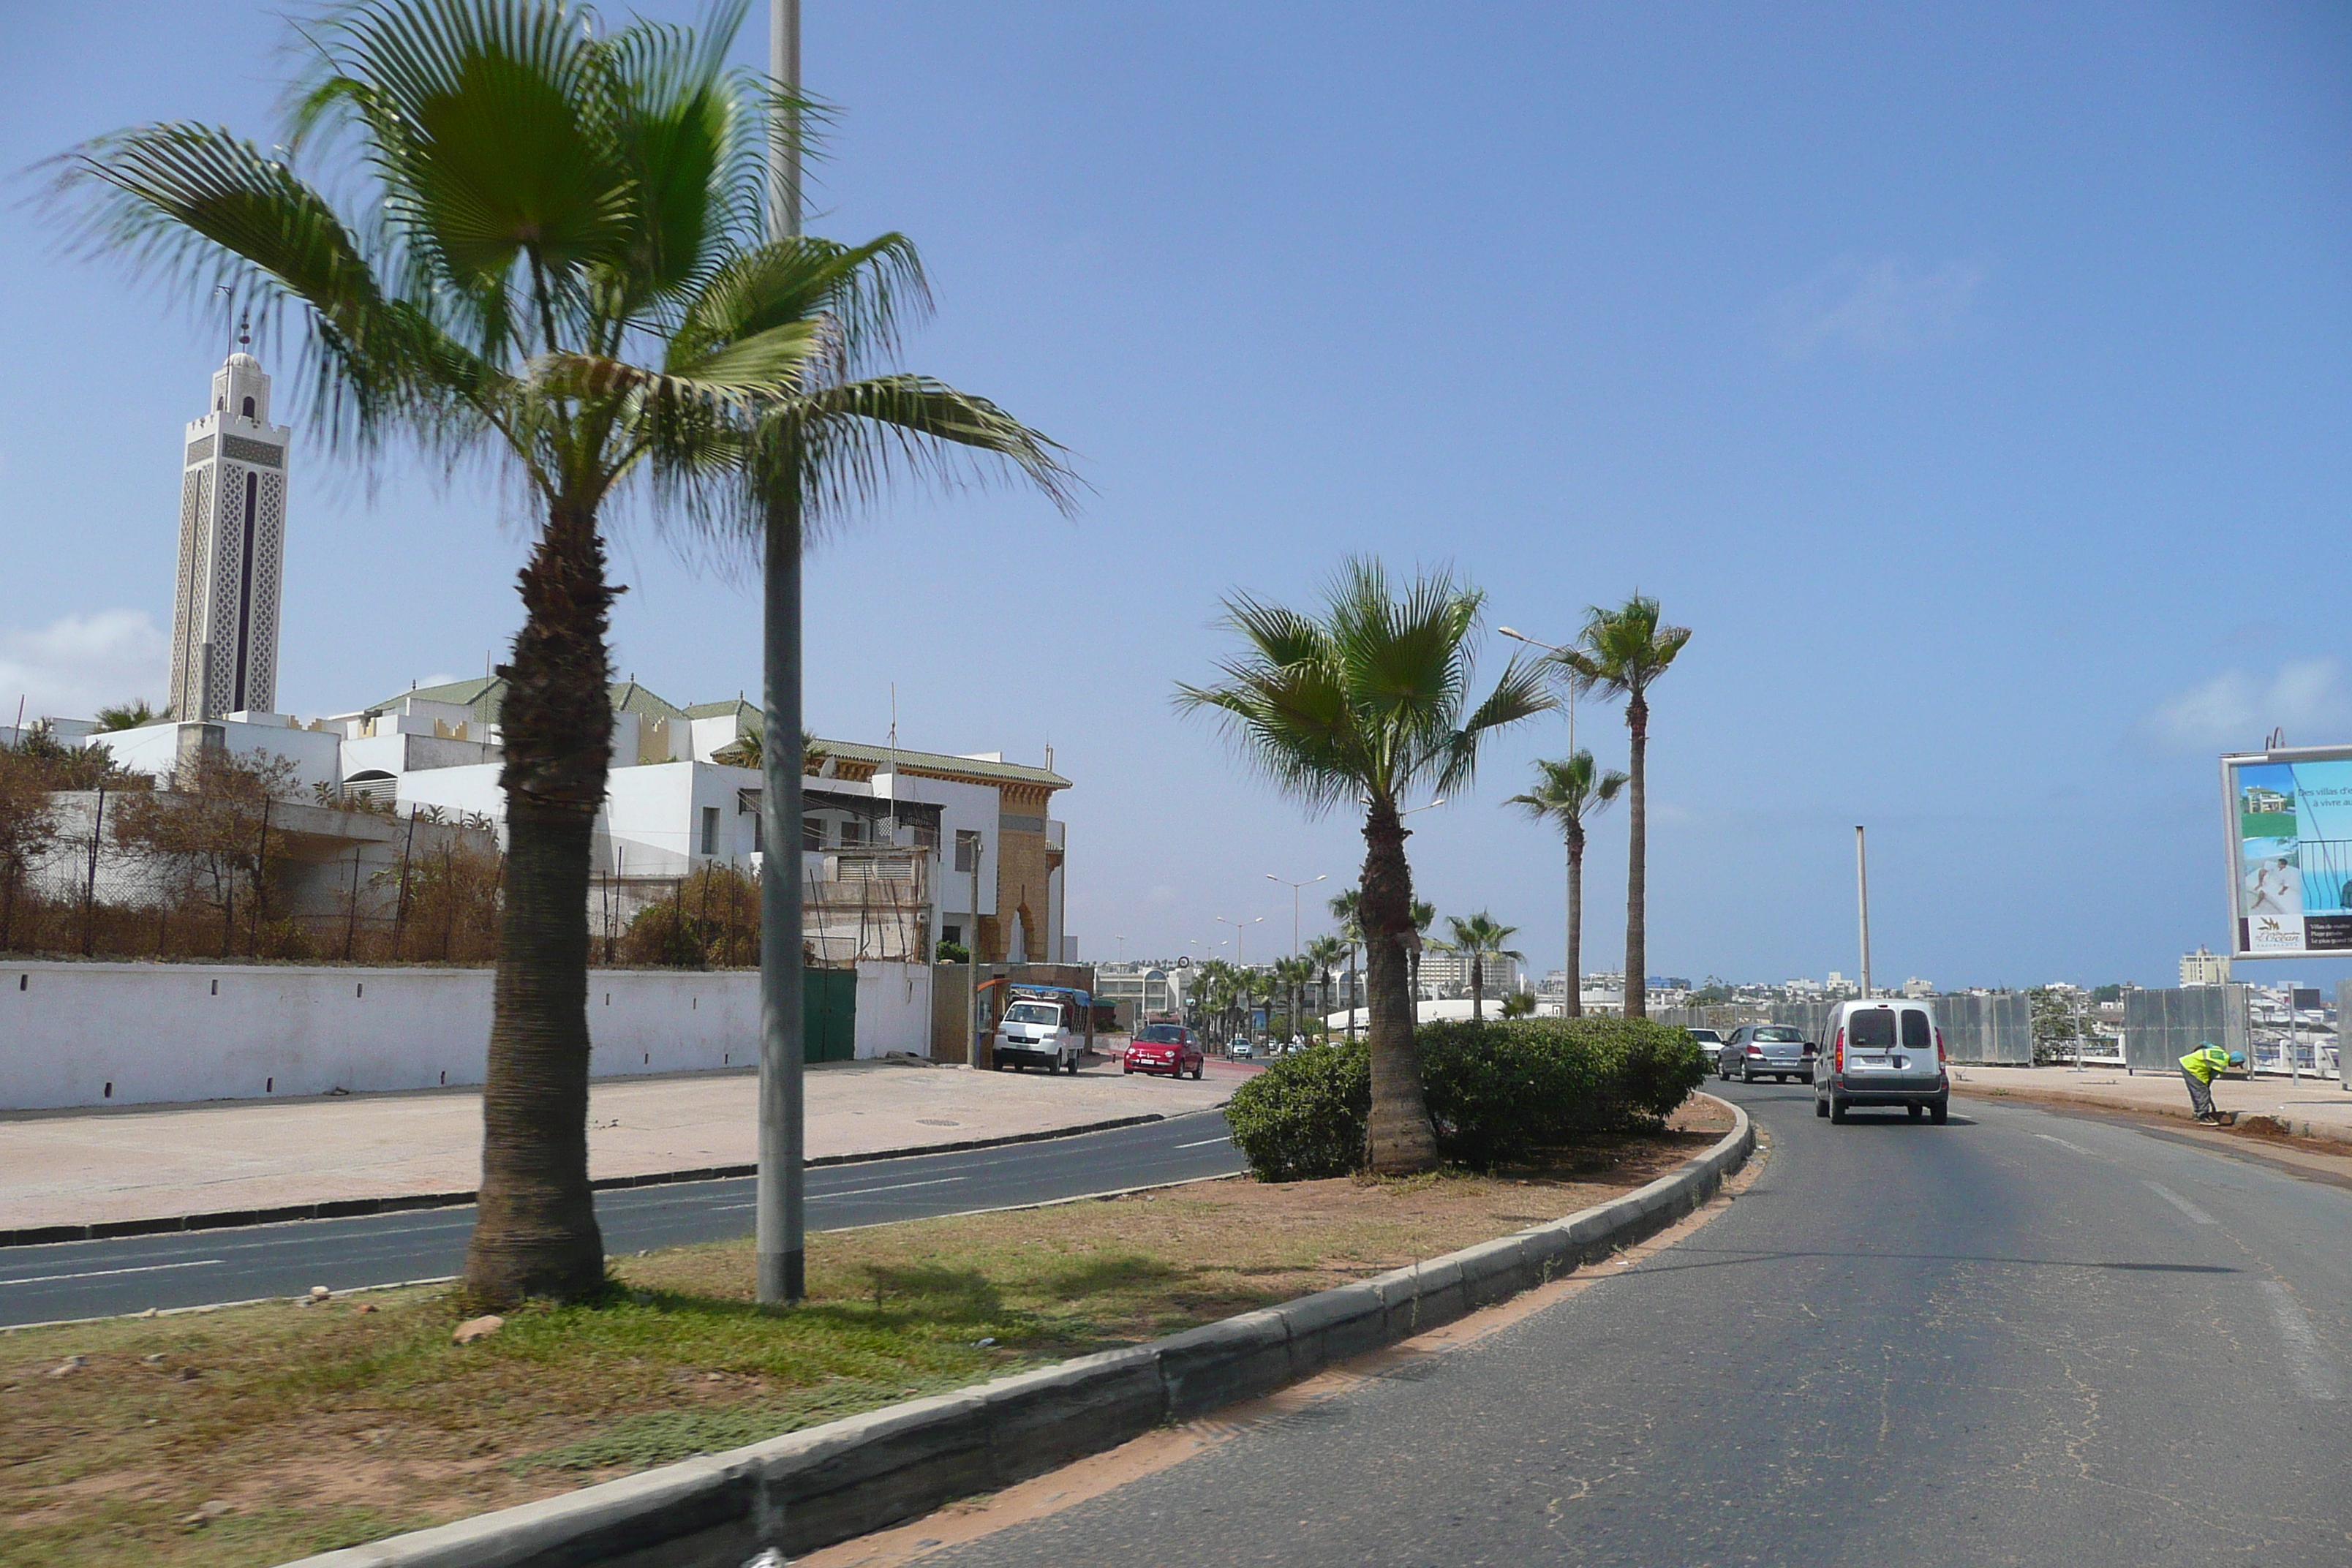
<point>949,847</point>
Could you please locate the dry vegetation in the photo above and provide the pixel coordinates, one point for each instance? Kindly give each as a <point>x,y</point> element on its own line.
<point>309,1427</point>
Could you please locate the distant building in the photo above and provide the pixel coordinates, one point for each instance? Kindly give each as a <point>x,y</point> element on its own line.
<point>1447,973</point>
<point>1918,990</point>
<point>2203,968</point>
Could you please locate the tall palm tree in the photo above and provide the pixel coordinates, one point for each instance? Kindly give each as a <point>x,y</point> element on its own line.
<point>1361,706</point>
<point>1326,953</point>
<point>1565,793</point>
<point>1294,975</point>
<point>1481,937</point>
<point>554,258</point>
<point>1622,652</point>
<point>1343,908</point>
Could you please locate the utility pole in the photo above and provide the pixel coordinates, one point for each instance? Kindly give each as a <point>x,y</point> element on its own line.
<point>780,1197</point>
<point>1861,897</point>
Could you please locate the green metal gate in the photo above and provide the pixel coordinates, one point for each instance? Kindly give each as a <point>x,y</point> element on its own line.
<point>828,1015</point>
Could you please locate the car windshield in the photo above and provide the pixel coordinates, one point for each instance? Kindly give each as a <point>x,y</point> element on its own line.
<point>1032,1013</point>
<point>1706,1034</point>
<point>1161,1035</point>
<point>1780,1037</point>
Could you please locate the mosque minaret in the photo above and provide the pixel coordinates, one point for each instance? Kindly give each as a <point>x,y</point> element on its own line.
<point>232,551</point>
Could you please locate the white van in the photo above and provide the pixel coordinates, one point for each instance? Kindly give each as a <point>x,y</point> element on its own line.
<point>1885,1052</point>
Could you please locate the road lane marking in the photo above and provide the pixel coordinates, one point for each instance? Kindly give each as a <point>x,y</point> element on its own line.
<point>2183,1204</point>
<point>1205,1143</point>
<point>2315,1374</point>
<point>105,1273</point>
<point>2064,1144</point>
<point>893,1187</point>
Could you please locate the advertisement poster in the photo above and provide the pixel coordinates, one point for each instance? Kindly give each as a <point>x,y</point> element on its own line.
<point>2291,853</point>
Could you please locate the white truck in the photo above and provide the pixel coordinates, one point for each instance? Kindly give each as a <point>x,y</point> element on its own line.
<point>1043,1026</point>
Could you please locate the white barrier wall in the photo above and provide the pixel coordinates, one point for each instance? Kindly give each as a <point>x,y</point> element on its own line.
<point>132,1033</point>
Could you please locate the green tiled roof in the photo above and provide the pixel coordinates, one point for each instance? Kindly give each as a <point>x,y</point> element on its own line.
<point>484,693</point>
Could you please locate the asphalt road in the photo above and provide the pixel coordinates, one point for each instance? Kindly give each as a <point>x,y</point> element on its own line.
<point>2020,1338</point>
<point>94,1279</point>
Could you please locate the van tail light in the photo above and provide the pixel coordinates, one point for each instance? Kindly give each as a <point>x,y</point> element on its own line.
<point>1840,1050</point>
<point>1939,1048</point>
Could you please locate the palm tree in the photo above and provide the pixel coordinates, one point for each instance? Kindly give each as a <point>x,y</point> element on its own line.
<point>1324,953</point>
<point>1622,652</point>
<point>1343,909</point>
<point>555,256</point>
<point>1293,976</point>
<point>1566,793</point>
<point>1482,937</point>
<point>125,716</point>
<point>1362,706</point>
<point>1424,915</point>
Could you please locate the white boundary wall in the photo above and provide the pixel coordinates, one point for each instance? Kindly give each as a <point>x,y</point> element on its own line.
<point>135,1033</point>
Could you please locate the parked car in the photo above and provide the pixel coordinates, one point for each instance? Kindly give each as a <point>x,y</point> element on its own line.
<point>1882,1053</point>
<point>1038,1031</point>
<point>1165,1048</point>
<point>1709,1041</point>
<point>1240,1050</point>
<point>1766,1050</point>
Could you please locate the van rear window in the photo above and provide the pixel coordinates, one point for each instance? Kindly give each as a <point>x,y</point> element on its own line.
<point>1916,1035</point>
<point>1873,1030</point>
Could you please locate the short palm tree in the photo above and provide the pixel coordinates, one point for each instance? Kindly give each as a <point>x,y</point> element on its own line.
<point>1358,707</point>
<point>556,258</point>
<point>1479,938</point>
<point>1326,953</point>
<point>1424,915</point>
<point>1565,793</point>
<point>1622,652</point>
<point>1343,908</point>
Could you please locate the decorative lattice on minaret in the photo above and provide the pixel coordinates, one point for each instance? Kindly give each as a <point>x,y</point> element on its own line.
<point>232,551</point>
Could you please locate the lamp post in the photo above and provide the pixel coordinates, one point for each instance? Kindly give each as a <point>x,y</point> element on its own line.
<point>779,1208</point>
<point>1295,888</point>
<point>1239,927</point>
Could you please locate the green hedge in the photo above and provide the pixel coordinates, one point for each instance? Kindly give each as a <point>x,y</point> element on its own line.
<point>1498,1093</point>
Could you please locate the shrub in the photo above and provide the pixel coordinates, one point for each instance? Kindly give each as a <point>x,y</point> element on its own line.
<point>1498,1093</point>
<point>1306,1116</point>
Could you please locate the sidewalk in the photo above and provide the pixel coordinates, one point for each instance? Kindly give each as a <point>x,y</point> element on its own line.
<point>92,1167</point>
<point>2316,1108</point>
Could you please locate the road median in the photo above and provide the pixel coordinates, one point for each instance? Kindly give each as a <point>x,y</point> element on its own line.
<point>828,1483</point>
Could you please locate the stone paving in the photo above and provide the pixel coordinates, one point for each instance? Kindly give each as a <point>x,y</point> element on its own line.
<point>2315,1108</point>
<point>86,1167</point>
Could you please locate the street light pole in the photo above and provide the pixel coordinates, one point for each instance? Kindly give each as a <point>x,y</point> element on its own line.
<point>1861,900</point>
<point>779,1208</point>
<point>1295,888</point>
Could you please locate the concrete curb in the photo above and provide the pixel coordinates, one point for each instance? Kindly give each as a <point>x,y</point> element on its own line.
<point>808,1489</point>
<point>353,1208</point>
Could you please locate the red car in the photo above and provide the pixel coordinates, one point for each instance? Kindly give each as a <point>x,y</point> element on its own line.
<point>1164,1047</point>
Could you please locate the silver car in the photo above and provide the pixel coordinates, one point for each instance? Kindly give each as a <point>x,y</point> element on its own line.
<point>1766,1050</point>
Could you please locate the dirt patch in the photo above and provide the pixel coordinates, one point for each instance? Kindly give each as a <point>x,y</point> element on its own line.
<point>2246,1124</point>
<point>312,1428</point>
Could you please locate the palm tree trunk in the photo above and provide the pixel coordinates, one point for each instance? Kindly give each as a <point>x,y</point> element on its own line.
<point>1637,914</point>
<point>1572,1006</point>
<point>1355,990</point>
<point>535,1228</point>
<point>1477,987</point>
<point>1402,1141</point>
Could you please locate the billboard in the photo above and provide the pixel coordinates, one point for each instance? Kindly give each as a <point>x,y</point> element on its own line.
<point>2290,830</point>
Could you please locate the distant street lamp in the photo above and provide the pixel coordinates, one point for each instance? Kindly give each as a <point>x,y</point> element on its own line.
<point>1239,927</point>
<point>1295,890</point>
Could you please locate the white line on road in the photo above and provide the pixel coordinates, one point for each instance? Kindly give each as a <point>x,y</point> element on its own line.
<point>103,1273</point>
<point>2317,1376</point>
<point>2064,1144</point>
<point>2176,1201</point>
<point>1205,1143</point>
<point>893,1187</point>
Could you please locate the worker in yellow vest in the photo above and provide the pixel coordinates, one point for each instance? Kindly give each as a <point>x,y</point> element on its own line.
<point>2200,1068</point>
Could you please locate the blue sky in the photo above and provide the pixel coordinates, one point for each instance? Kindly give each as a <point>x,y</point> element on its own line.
<point>1973,379</point>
